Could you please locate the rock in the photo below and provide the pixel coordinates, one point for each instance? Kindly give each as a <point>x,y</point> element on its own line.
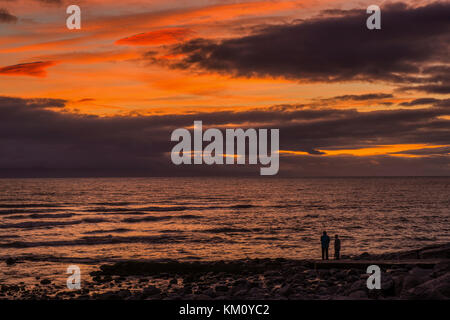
<point>255,292</point>
<point>351,272</point>
<point>341,275</point>
<point>10,261</point>
<point>46,281</point>
<point>323,273</point>
<point>415,277</point>
<point>332,289</point>
<point>124,293</point>
<point>311,273</point>
<point>398,284</point>
<point>438,288</point>
<point>221,288</point>
<point>187,289</point>
<point>202,297</point>
<point>241,293</point>
<point>360,294</point>
<point>443,253</point>
<point>285,290</point>
<point>210,292</point>
<point>189,279</point>
<point>441,268</point>
<point>364,256</point>
<point>104,296</point>
<point>358,285</point>
<point>420,272</point>
<point>387,285</point>
<point>151,290</point>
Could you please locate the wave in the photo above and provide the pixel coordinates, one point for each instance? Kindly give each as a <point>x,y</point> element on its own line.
<point>242,206</point>
<point>30,205</point>
<point>284,206</point>
<point>160,218</point>
<point>143,209</point>
<point>38,224</point>
<point>188,216</point>
<point>118,230</point>
<point>48,224</point>
<point>230,230</point>
<point>41,216</point>
<point>146,219</point>
<point>112,203</point>
<point>9,236</point>
<point>124,212</point>
<point>96,240</point>
<point>18,211</point>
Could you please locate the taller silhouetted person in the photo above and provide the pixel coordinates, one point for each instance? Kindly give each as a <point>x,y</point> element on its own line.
<point>337,247</point>
<point>325,240</point>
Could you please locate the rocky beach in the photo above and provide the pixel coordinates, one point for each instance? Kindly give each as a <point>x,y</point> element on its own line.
<point>415,274</point>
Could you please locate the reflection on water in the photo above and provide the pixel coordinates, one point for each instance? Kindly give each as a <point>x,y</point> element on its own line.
<point>93,221</point>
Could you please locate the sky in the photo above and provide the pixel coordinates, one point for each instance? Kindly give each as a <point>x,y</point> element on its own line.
<point>103,100</point>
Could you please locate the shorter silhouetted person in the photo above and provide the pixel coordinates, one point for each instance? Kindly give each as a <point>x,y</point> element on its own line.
<point>337,247</point>
<point>325,241</point>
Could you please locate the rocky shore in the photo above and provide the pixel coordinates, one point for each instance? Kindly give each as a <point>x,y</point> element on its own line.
<point>415,274</point>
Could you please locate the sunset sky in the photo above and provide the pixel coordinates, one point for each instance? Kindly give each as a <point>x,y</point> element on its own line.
<point>347,100</point>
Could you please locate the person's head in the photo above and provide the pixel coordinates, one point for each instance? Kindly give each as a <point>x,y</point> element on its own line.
<point>324,233</point>
<point>336,236</point>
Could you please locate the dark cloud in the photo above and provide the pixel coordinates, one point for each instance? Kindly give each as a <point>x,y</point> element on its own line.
<point>33,69</point>
<point>366,166</point>
<point>426,101</point>
<point>35,137</point>
<point>38,103</point>
<point>51,2</point>
<point>429,88</point>
<point>6,17</point>
<point>338,48</point>
<point>419,102</point>
<point>360,97</point>
<point>443,103</point>
<point>363,97</point>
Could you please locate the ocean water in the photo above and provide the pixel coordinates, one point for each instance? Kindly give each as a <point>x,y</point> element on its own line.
<point>52,223</point>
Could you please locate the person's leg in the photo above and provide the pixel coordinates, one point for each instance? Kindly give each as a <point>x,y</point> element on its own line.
<point>323,253</point>
<point>326,252</point>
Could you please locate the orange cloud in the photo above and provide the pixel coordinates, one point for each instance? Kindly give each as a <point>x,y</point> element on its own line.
<point>369,151</point>
<point>163,36</point>
<point>34,69</point>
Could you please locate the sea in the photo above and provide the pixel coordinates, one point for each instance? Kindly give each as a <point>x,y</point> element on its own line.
<point>49,224</point>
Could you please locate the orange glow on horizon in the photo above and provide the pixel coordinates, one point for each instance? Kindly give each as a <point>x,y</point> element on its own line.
<point>392,150</point>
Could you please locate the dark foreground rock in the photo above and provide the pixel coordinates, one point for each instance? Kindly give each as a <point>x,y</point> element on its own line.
<point>424,275</point>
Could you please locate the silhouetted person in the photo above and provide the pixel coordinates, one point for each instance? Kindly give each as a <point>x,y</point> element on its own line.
<point>337,247</point>
<point>325,240</point>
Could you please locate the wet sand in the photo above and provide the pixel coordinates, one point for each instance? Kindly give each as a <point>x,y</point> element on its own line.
<point>416,274</point>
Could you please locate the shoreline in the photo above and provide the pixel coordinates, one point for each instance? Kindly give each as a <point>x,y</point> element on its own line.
<point>413,274</point>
